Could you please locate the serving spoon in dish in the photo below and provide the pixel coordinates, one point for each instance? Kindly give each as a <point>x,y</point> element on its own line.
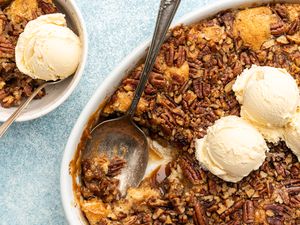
<point>4,127</point>
<point>122,137</point>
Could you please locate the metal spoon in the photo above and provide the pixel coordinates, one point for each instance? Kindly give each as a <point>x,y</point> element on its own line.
<point>4,127</point>
<point>121,137</point>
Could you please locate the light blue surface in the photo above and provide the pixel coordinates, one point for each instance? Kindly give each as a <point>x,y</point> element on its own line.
<point>31,152</point>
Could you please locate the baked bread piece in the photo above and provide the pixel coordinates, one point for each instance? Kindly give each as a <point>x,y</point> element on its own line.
<point>188,90</point>
<point>22,11</point>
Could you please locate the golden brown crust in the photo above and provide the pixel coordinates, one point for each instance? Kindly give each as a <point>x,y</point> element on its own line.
<point>254,26</point>
<point>21,10</point>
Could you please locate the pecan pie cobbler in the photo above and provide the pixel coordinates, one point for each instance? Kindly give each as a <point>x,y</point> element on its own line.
<point>14,15</point>
<point>188,90</point>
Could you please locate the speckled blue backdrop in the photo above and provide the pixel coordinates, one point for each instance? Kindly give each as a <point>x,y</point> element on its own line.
<point>31,152</point>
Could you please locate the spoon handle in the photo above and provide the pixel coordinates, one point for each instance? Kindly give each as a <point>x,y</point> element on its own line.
<point>14,116</point>
<point>166,14</point>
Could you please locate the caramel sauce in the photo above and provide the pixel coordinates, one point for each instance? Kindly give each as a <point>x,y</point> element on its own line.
<point>154,155</point>
<point>155,179</point>
<point>160,174</point>
<point>75,164</point>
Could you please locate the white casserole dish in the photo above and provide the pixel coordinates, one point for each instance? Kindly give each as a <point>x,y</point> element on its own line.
<point>57,94</point>
<point>72,211</point>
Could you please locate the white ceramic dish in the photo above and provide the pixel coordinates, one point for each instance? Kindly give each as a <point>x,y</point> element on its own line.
<point>57,94</point>
<point>72,211</point>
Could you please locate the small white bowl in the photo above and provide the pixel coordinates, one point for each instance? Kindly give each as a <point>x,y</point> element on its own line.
<point>57,94</point>
<point>72,210</point>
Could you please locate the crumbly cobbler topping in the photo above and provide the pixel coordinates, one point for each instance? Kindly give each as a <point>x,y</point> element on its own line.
<point>14,15</point>
<point>188,90</point>
<point>190,86</point>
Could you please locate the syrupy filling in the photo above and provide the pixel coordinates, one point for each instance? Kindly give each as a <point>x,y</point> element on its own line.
<point>188,90</point>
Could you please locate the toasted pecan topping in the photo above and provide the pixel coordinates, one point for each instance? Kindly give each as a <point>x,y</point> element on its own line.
<point>14,85</point>
<point>189,89</point>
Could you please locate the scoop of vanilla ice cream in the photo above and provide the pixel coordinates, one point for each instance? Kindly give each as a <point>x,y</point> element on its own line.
<point>231,149</point>
<point>48,49</point>
<point>292,135</point>
<point>269,97</point>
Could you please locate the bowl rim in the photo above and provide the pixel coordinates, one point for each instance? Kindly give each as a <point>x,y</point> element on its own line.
<point>73,80</point>
<point>67,195</point>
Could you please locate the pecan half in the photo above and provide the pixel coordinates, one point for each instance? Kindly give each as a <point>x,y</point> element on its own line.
<point>212,186</point>
<point>238,205</point>
<point>291,182</point>
<point>198,88</point>
<point>280,9</point>
<point>115,167</point>
<point>248,212</point>
<point>199,216</point>
<point>277,220</point>
<point>294,27</point>
<point>47,7</point>
<point>180,56</point>
<point>157,80</point>
<point>295,201</point>
<point>206,89</point>
<point>190,171</point>
<point>278,28</point>
<point>6,47</point>
<point>169,55</point>
<point>280,210</point>
<point>293,190</point>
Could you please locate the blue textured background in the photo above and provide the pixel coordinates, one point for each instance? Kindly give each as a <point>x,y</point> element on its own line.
<point>31,152</point>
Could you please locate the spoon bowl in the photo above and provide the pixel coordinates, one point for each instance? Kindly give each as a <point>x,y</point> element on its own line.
<point>121,137</point>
